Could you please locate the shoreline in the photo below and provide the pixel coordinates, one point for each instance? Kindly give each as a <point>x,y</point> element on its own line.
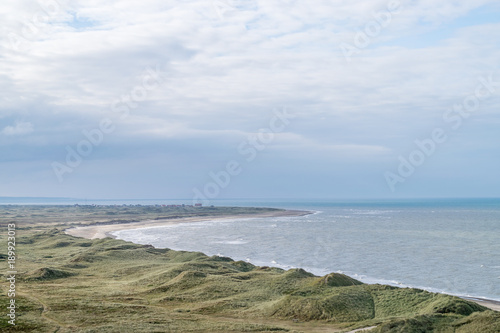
<point>489,303</point>
<point>98,231</point>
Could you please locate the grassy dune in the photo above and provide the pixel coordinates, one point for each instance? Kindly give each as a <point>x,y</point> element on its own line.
<point>43,216</point>
<point>69,284</point>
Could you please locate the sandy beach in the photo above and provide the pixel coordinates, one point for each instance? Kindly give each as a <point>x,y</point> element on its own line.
<point>494,305</point>
<point>96,231</point>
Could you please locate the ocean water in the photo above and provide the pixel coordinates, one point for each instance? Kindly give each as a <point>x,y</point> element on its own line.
<point>450,246</point>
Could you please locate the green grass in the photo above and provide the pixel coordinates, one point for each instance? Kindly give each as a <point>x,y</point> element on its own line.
<point>69,284</point>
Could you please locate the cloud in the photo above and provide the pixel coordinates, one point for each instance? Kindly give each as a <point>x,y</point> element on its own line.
<point>20,128</point>
<point>226,71</point>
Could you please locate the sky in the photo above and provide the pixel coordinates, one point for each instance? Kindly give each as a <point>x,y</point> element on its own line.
<point>250,99</point>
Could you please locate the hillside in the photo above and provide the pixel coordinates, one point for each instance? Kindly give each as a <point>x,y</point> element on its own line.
<point>70,284</point>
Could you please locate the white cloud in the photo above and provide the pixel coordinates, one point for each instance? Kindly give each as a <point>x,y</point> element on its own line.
<point>20,128</point>
<point>225,75</point>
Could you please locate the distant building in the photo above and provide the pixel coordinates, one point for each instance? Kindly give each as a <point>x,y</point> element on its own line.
<point>198,205</point>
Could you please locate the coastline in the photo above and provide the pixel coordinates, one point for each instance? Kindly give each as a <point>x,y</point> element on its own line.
<point>491,304</point>
<point>98,231</point>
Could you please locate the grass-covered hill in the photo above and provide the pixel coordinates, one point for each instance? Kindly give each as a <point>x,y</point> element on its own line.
<point>69,284</point>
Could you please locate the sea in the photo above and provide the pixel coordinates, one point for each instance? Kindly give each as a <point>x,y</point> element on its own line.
<point>449,246</point>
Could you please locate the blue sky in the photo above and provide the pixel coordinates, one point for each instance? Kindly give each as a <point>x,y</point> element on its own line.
<point>250,99</point>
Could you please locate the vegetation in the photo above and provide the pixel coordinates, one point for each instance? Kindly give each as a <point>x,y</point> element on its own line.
<point>69,284</point>
<point>78,215</point>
